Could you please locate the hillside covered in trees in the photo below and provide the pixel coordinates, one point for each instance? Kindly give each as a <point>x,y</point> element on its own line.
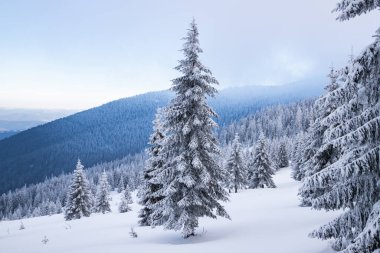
<point>118,129</point>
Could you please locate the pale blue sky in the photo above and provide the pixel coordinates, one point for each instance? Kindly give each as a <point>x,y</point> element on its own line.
<point>82,53</point>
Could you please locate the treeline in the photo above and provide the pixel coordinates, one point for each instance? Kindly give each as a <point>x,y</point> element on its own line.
<point>274,121</point>
<point>49,197</point>
<point>280,124</point>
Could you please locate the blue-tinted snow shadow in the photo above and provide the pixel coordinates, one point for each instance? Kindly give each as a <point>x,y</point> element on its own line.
<point>202,236</point>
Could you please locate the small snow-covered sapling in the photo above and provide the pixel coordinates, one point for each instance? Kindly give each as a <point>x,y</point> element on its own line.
<point>132,233</point>
<point>45,240</point>
<point>21,226</point>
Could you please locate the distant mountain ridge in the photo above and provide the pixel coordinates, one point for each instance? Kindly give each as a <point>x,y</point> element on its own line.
<point>6,134</point>
<point>6,125</point>
<point>119,128</point>
<point>38,115</point>
<point>15,120</point>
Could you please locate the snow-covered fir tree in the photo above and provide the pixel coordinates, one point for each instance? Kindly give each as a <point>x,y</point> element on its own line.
<point>351,8</point>
<point>283,159</point>
<point>296,151</point>
<point>125,201</point>
<point>102,201</point>
<point>297,156</point>
<point>351,180</point>
<point>148,193</point>
<point>121,184</point>
<point>235,167</point>
<point>79,197</point>
<point>315,155</point>
<point>260,174</point>
<point>313,141</point>
<point>124,206</point>
<point>127,195</point>
<point>192,176</point>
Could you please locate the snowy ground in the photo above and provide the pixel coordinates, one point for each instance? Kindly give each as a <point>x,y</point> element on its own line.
<point>263,220</point>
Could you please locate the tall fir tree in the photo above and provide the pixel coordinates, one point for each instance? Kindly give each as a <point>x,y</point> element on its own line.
<point>323,107</point>
<point>315,155</point>
<point>235,167</point>
<point>261,172</point>
<point>102,202</point>
<point>126,200</point>
<point>251,176</point>
<point>128,195</point>
<point>191,177</point>
<point>297,156</point>
<point>149,191</point>
<point>79,197</point>
<point>283,159</point>
<point>121,185</point>
<point>351,180</point>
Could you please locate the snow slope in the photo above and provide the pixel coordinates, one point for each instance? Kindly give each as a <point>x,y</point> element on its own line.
<point>263,220</point>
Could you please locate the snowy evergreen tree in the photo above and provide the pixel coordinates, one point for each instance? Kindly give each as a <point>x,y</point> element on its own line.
<point>351,8</point>
<point>297,156</point>
<point>260,174</point>
<point>350,180</point>
<point>235,167</point>
<point>283,159</point>
<point>58,205</point>
<point>148,192</point>
<point>102,202</point>
<point>127,195</point>
<point>299,119</point>
<point>323,107</point>
<point>121,185</point>
<point>192,176</point>
<point>123,206</point>
<point>251,182</point>
<point>22,226</point>
<point>126,200</point>
<point>315,155</point>
<point>79,196</point>
<point>294,151</point>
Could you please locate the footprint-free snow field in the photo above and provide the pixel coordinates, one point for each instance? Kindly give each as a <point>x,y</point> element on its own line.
<point>263,221</point>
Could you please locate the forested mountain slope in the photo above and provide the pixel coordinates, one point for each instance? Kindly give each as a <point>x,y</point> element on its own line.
<point>7,134</point>
<point>119,128</point>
